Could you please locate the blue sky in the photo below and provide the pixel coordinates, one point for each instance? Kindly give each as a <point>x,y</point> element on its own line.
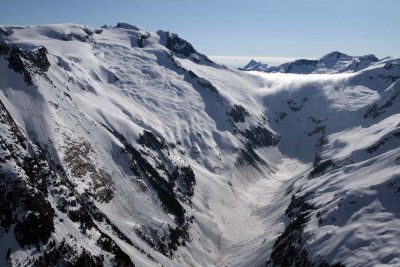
<point>281,28</point>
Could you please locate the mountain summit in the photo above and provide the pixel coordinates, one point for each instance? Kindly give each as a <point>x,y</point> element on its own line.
<point>122,147</point>
<point>255,65</point>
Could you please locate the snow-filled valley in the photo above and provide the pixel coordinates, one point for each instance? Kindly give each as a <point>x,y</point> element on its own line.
<point>122,147</point>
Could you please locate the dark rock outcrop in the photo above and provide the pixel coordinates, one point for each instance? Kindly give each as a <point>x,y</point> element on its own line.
<point>167,186</point>
<point>238,113</point>
<point>259,136</point>
<point>27,63</point>
<point>290,249</point>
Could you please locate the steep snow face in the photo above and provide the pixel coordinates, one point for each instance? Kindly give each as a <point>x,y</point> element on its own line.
<point>120,146</point>
<point>334,62</point>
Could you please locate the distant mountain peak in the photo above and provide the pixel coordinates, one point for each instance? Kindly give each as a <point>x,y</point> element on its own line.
<point>255,65</point>
<point>335,54</point>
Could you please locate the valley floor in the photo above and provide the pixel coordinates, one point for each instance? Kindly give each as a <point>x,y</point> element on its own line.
<point>252,225</point>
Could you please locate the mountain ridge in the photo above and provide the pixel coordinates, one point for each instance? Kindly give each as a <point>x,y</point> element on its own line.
<point>333,62</point>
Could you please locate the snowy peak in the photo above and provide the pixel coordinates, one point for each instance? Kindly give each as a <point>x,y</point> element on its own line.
<point>334,62</point>
<point>255,65</point>
<point>336,55</point>
<point>339,62</point>
<point>183,48</point>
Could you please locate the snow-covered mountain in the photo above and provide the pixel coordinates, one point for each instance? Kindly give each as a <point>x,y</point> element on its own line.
<point>334,62</point>
<point>255,65</point>
<point>123,147</point>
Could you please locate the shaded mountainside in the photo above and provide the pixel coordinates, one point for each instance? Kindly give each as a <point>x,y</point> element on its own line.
<point>122,147</point>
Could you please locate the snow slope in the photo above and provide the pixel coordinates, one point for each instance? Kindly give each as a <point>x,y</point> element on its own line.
<point>125,147</point>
